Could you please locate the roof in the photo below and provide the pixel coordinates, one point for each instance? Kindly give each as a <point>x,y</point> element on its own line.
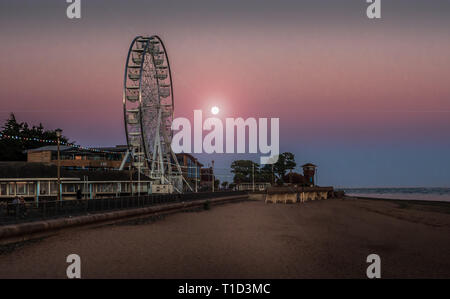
<point>52,148</point>
<point>281,189</point>
<point>117,148</point>
<point>62,148</point>
<point>309,165</point>
<point>28,170</point>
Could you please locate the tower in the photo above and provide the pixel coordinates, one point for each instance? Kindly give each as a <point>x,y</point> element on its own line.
<point>309,171</point>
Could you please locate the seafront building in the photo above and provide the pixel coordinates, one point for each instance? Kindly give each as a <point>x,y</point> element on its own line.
<point>38,181</point>
<point>104,172</point>
<point>105,158</point>
<point>95,172</point>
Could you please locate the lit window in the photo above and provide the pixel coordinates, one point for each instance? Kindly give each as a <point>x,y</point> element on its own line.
<point>21,188</point>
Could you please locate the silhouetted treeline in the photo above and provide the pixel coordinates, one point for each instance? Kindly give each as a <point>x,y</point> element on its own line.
<point>12,149</point>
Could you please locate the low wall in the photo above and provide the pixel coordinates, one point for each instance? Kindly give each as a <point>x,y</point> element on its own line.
<point>293,197</point>
<point>30,230</point>
<point>282,197</point>
<point>305,196</point>
<point>257,196</point>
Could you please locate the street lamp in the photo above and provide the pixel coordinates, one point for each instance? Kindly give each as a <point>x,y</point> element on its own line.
<point>196,176</point>
<point>58,136</point>
<point>213,178</point>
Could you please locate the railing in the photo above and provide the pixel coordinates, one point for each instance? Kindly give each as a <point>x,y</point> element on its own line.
<point>32,211</point>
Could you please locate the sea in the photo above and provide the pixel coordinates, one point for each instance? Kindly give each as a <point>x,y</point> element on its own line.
<point>432,194</point>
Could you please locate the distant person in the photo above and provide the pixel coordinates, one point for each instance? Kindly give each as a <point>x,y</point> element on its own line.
<point>23,207</point>
<point>15,204</point>
<point>20,208</point>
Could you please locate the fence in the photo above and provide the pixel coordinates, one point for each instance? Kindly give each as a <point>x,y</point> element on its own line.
<point>32,211</point>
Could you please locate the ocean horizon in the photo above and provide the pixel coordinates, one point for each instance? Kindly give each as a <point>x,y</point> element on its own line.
<point>406,193</point>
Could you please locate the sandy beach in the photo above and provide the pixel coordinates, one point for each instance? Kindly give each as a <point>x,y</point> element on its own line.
<point>319,239</point>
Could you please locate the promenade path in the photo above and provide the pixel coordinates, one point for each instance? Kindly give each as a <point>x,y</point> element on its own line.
<point>320,239</point>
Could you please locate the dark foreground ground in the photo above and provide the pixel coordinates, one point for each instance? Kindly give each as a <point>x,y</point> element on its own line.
<point>321,239</point>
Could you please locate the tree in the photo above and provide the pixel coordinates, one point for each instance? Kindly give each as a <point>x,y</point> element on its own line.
<point>265,174</point>
<point>243,171</point>
<point>17,137</point>
<point>224,185</point>
<point>216,184</point>
<point>286,161</point>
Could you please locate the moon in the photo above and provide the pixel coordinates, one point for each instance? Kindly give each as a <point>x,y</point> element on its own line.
<point>215,110</point>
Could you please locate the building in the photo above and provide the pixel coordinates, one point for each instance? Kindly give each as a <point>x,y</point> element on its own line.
<point>39,181</point>
<point>294,178</point>
<point>107,158</point>
<point>76,158</point>
<point>191,169</point>
<point>253,187</point>
<point>206,178</point>
<point>207,174</point>
<point>95,171</point>
<point>309,172</point>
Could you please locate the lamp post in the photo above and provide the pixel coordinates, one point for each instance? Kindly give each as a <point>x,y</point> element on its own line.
<point>273,179</point>
<point>317,178</point>
<point>213,178</point>
<point>139,172</point>
<point>253,176</point>
<point>196,177</point>
<point>58,136</point>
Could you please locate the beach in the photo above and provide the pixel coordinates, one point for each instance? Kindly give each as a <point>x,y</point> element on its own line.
<point>318,239</point>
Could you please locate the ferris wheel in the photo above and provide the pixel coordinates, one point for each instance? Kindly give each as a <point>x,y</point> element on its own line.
<point>148,107</point>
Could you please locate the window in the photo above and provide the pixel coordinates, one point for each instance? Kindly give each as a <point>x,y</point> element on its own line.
<point>21,188</point>
<point>43,188</point>
<point>105,188</point>
<point>69,187</point>
<point>12,188</point>
<point>3,189</point>
<point>31,188</point>
<point>54,187</point>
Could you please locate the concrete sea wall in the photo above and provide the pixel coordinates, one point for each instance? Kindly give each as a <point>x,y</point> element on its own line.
<point>26,231</point>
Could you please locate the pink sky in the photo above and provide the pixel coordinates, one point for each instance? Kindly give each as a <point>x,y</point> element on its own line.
<point>330,80</point>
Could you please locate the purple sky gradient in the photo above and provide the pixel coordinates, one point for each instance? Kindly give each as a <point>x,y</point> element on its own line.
<point>368,101</point>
